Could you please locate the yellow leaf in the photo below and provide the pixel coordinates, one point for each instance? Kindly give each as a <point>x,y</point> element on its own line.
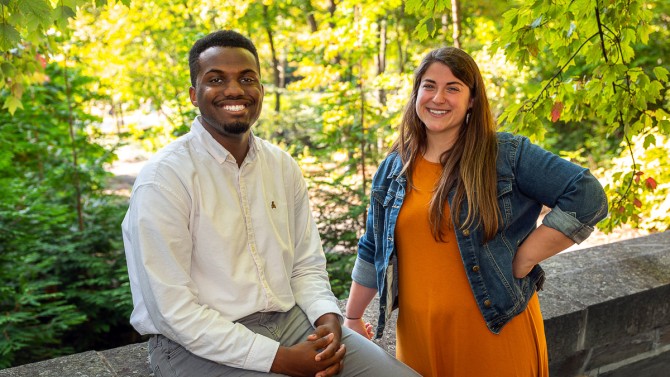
<point>12,103</point>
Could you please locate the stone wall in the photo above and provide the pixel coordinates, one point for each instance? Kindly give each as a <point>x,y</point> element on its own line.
<point>607,309</point>
<point>606,312</point>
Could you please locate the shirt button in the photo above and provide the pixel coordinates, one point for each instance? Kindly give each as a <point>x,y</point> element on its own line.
<point>466,233</point>
<point>475,268</point>
<point>487,303</point>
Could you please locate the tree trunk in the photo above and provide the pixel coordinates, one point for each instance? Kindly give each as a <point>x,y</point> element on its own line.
<point>456,22</point>
<point>311,20</point>
<point>361,89</point>
<point>331,8</point>
<point>276,68</point>
<point>399,42</point>
<point>381,59</point>
<point>75,162</point>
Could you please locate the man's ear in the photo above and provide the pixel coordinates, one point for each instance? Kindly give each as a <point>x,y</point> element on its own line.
<point>194,98</point>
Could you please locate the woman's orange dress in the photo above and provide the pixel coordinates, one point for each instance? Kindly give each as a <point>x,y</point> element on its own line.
<point>440,330</point>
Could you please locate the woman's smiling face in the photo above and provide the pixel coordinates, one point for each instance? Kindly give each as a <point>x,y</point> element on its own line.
<point>442,102</point>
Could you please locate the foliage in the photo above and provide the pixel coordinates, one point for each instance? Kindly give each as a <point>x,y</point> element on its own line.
<point>643,202</point>
<point>64,286</point>
<point>339,272</point>
<point>596,85</point>
<point>28,32</point>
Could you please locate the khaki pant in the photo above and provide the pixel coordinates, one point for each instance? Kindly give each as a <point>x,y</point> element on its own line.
<point>363,357</point>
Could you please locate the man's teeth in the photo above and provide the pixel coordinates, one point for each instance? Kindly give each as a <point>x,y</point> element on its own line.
<point>234,108</point>
<point>438,112</point>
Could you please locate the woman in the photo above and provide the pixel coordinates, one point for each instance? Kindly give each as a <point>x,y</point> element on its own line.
<point>451,235</point>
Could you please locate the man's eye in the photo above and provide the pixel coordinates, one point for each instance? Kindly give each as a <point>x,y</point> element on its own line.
<point>247,80</point>
<point>216,80</point>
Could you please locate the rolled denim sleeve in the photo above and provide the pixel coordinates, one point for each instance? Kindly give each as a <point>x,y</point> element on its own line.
<point>577,199</point>
<point>364,273</point>
<point>568,225</point>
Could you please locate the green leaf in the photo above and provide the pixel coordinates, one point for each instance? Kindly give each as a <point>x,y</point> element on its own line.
<point>11,104</point>
<point>8,69</point>
<point>38,9</point>
<point>73,4</point>
<point>430,26</point>
<point>661,73</point>
<point>61,15</point>
<point>9,37</point>
<point>411,6</point>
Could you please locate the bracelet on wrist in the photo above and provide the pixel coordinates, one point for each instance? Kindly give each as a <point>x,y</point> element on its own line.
<point>352,318</point>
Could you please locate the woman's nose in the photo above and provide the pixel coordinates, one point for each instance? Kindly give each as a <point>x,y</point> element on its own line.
<point>439,97</point>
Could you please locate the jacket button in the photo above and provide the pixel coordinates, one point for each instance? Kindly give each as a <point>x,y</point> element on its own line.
<point>487,303</point>
<point>475,268</point>
<point>466,233</point>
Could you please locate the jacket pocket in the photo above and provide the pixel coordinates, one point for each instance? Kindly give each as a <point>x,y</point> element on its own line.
<point>504,191</point>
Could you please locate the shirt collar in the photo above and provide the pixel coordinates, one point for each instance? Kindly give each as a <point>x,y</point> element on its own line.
<point>216,150</point>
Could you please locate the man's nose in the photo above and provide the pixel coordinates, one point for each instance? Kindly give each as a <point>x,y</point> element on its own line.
<point>233,88</point>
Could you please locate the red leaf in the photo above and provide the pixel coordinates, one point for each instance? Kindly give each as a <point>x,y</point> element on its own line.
<point>556,111</point>
<point>637,203</point>
<point>41,60</point>
<point>651,183</point>
<point>637,176</point>
<point>622,209</point>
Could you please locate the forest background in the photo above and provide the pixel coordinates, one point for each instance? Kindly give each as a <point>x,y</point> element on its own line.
<point>587,79</point>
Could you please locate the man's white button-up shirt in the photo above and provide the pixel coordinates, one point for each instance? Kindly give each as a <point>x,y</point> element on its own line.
<point>208,242</point>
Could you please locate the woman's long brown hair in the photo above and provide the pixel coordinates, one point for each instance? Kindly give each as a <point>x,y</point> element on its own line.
<point>469,166</point>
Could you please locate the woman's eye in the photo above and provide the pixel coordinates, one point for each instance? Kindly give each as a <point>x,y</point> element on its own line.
<point>453,89</point>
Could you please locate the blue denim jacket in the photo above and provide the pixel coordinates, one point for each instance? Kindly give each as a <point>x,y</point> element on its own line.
<point>528,178</point>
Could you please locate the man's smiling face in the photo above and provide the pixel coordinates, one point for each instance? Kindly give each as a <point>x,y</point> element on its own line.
<point>228,90</point>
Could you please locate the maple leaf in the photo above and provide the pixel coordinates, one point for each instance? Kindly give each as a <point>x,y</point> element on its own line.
<point>651,183</point>
<point>556,111</point>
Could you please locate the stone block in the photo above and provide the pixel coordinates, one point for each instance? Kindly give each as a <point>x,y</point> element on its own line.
<point>623,349</point>
<point>86,364</point>
<point>571,366</point>
<point>563,334</point>
<point>664,336</point>
<point>627,316</point>
<point>657,366</point>
<point>127,361</point>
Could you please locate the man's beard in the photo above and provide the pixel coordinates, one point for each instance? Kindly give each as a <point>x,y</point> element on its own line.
<point>236,128</point>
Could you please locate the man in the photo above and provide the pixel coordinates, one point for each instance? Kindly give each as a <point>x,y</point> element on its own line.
<point>225,261</point>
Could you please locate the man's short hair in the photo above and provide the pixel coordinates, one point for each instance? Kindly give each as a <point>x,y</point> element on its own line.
<point>221,38</point>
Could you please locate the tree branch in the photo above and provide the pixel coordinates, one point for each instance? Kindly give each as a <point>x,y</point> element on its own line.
<point>560,70</point>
